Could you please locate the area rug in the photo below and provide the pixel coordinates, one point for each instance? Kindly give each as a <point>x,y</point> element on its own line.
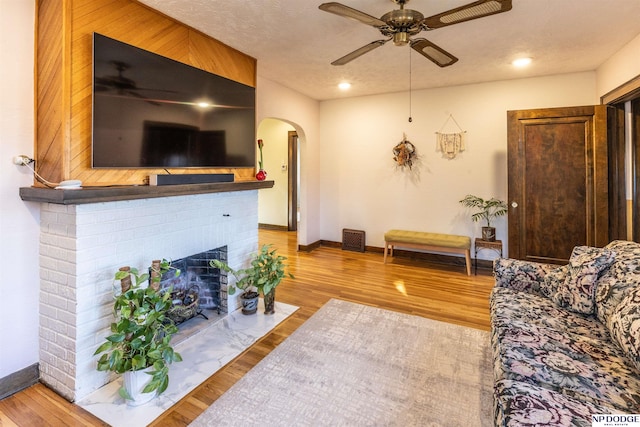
<point>355,365</point>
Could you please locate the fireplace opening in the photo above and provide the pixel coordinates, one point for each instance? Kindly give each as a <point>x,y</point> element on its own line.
<point>199,292</point>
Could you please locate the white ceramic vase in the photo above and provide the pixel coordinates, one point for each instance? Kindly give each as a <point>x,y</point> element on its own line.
<point>134,383</point>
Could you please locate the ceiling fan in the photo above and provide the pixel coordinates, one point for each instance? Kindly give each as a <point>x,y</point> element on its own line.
<point>401,24</point>
<point>122,85</point>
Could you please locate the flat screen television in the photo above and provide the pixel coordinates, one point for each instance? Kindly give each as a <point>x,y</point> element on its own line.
<point>150,111</point>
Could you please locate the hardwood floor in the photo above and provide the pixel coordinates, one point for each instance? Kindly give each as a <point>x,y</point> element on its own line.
<point>438,292</point>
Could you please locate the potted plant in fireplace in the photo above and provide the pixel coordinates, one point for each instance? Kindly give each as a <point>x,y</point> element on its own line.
<point>139,346</point>
<point>265,273</point>
<point>487,211</point>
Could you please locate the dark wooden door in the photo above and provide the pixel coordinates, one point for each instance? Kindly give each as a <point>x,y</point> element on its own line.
<point>635,169</point>
<point>292,182</point>
<point>558,181</point>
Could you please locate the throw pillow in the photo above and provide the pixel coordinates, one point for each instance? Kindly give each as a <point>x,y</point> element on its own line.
<point>614,284</point>
<point>586,264</point>
<point>552,280</point>
<point>624,325</point>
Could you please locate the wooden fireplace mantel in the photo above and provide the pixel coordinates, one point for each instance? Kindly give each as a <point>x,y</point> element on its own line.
<point>87,195</point>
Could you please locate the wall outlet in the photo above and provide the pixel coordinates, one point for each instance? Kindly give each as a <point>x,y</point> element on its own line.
<point>22,160</point>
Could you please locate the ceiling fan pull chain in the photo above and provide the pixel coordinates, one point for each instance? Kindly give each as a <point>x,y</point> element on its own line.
<point>410,118</point>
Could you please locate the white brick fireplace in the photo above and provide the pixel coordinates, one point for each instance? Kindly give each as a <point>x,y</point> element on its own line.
<point>81,247</point>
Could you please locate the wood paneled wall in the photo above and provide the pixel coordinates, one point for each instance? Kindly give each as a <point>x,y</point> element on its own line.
<point>64,77</point>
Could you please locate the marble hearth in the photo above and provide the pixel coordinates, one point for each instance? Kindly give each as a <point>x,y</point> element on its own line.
<point>204,354</point>
<point>87,234</point>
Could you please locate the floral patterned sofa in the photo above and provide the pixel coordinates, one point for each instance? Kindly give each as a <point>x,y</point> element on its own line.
<point>566,339</point>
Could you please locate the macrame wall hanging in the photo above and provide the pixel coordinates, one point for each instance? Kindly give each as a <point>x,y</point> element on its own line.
<point>450,144</point>
<point>404,153</point>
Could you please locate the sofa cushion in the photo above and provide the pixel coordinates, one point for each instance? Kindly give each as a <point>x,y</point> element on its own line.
<point>624,325</point>
<point>520,275</point>
<point>586,264</point>
<point>521,404</point>
<point>619,279</point>
<point>585,369</point>
<point>508,305</point>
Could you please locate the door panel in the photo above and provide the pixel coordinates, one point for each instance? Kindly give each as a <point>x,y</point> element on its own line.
<point>558,190</point>
<point>553,196</point>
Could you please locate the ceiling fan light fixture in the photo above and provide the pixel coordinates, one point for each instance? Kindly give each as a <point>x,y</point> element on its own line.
<point>400,39</point>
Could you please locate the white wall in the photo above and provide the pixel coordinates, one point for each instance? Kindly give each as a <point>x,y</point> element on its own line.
<point>278,102</point>
<point>621,67</point>
<point>273,202</point>
<point>19,220</point>
<point>362,189</point>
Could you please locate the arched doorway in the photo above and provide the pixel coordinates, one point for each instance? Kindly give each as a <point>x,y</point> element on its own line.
<point>278,207</point>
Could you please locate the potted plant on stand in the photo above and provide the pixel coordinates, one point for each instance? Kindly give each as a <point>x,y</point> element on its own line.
<point>265,273</point>
<point>139,346</point>
<point>487,211</point>
<point>244,282</point>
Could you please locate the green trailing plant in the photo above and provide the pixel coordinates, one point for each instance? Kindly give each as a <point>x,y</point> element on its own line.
<point>487,209</point>
<point>266,271</point>
<point>141,333</point>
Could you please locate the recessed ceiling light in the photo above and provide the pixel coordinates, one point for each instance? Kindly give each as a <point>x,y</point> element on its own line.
<point>521,62</point>
<point>344,86</point>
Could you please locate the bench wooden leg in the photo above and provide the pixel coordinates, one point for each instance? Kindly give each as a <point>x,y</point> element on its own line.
<point>386,248</point>
<point>467,256</point>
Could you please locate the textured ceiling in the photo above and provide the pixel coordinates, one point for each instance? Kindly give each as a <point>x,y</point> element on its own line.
<point>294,42</point>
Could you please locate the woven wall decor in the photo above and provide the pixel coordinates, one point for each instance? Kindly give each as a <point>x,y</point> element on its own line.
<point>450,144</point>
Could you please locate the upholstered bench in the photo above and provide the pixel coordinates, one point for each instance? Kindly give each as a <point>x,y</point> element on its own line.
<point>435,242</point>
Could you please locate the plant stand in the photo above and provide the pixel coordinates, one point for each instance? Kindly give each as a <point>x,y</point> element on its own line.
<point>481,244</point>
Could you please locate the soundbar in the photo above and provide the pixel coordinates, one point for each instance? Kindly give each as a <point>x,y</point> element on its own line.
<point>195,178</point>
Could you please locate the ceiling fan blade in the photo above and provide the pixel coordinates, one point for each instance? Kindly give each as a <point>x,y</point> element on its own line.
<point>137,95</point>
<point>477,9</point>
<point>359,52</point>
<point>349,12</point>
<point>433,52</point>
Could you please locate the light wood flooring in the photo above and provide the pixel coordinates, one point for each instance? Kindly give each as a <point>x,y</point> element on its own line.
<point>434,291</point>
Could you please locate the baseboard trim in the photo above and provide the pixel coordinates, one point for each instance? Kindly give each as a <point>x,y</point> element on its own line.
<point>273,227</point>
<point>331,244</point>
<point>421,256</point>
<point>401,253</point>
<point>19,380</point>
<point>309,248</point>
